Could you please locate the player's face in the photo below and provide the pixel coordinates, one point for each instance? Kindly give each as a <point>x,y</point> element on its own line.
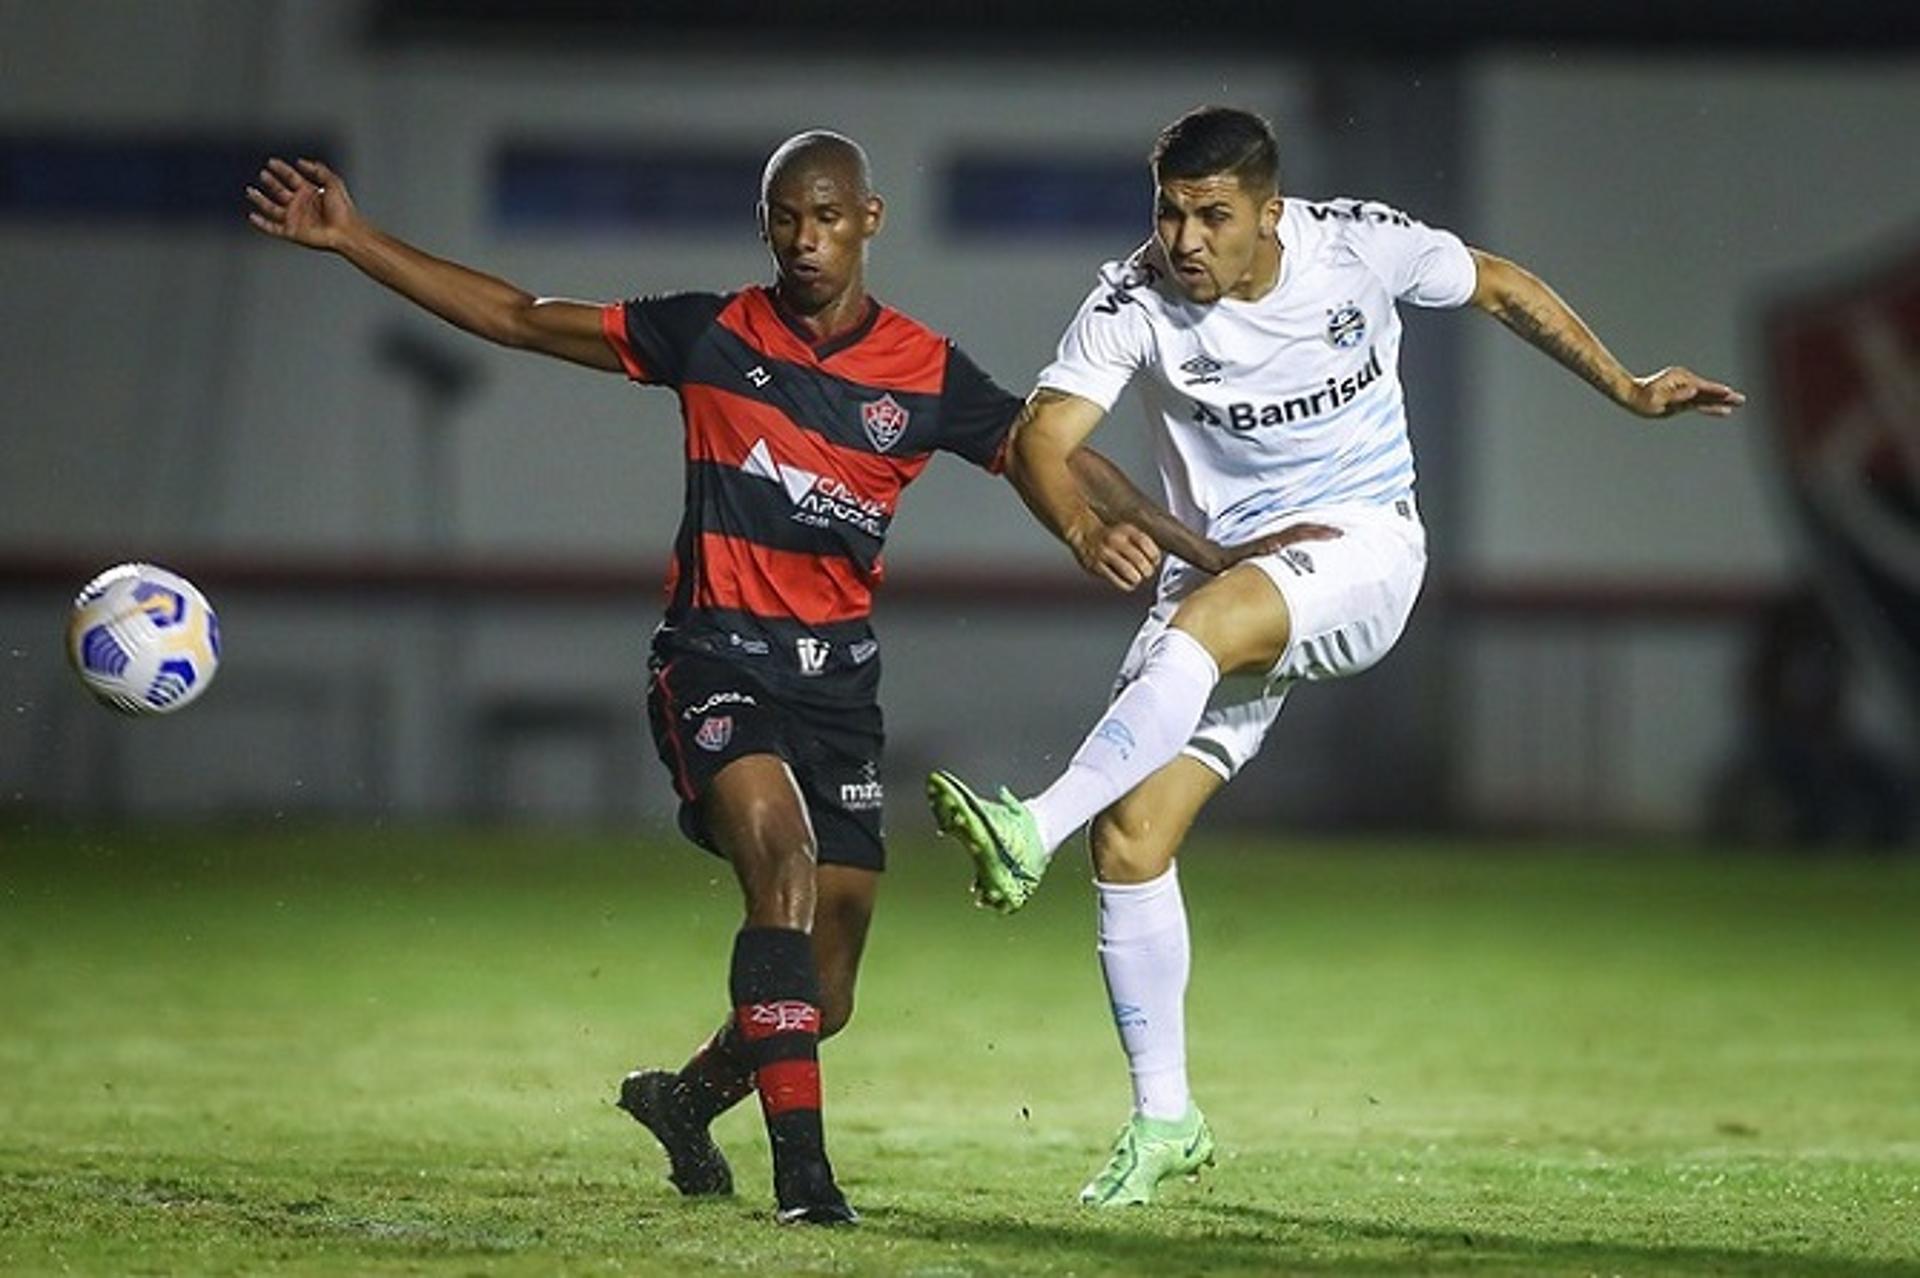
<point>1218,237</point>
<point>817,224</point>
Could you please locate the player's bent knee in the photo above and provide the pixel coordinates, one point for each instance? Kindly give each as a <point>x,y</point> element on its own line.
<point>1126,849</point>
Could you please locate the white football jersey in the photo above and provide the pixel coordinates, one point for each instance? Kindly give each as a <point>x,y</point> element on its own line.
<point>1291,401</point>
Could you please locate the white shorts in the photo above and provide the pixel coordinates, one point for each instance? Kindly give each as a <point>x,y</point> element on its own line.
<point>1349,598</point>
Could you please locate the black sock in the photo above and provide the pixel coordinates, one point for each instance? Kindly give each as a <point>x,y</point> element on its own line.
<point>776,998</point>
<point>719,1075</point>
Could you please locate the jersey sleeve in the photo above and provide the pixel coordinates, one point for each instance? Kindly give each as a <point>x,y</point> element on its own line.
<point>975,413</point>
<point>1102,348</point>
<point>652,335</point>
<point>1420,264</point>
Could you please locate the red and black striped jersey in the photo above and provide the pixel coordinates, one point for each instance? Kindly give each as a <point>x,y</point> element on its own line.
<point>796,455</point>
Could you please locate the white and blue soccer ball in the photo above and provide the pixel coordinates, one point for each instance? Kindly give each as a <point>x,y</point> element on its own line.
<point>143,640</point>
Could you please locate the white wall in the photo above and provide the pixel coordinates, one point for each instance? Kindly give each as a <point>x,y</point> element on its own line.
<point>1668,201</point>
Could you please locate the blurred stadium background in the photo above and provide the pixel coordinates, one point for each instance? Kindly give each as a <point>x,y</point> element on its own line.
<point>437,563</point>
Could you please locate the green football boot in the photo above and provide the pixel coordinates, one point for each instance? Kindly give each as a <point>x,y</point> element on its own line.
<point>999,834</point>
<point>1146,1152</point>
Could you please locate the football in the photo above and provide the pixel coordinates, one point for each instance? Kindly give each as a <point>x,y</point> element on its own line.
<point>143,640</point>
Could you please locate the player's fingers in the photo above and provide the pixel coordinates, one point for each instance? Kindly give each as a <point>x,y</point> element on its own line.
<point>319,172</point>
<point>1143,548</point>
<point>270,183</point>
<point>1305,532</point>
<point>259,200</point>
<point>262,224</point>
<point>285,173</point>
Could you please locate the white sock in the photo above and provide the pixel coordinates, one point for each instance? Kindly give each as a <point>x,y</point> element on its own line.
<point>1145,958</point>
<point>1141,733</point>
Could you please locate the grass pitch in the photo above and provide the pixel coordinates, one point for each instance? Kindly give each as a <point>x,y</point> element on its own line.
<point>365,1052</point>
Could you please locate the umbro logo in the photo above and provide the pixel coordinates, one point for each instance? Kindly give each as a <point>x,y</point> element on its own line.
<point>1202,370</point>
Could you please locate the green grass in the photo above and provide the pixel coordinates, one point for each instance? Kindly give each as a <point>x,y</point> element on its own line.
<point>366,1052</point>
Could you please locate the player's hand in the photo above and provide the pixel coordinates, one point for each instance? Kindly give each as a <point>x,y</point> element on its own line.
<point>1267,543</point>
<point>306,203</point>
<point>1679,390</point>
<point>1121,555</point>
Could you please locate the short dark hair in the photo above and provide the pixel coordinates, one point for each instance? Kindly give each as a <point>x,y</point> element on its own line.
<point>818,145</point>
<point>1211,140</point>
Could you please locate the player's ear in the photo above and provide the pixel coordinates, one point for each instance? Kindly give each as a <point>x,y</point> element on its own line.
<point>1270,210</point>
<point>875,214</point>
<point>760,221</point>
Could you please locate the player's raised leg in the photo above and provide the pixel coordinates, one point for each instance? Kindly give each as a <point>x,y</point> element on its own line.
<point>1145,958</point>
<point>1238,621</point>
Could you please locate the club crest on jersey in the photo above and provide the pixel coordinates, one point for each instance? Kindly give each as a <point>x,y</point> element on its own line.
<point>1347,327</point>
<point>885,421</point>
<point>714,733</point>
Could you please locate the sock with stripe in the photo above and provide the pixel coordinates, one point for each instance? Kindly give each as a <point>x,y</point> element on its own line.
<point>1145,956</point>
<point>1141,733</point>
<point>776,997</point>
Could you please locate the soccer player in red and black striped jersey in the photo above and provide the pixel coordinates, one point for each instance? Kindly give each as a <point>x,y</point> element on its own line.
<point>808,407</point>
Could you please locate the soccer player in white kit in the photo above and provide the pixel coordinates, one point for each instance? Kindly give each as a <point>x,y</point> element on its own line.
<point>1262,335</point>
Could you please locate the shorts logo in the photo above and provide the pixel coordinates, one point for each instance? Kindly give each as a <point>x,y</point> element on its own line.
<point>1297,559</point>
<point>811,653</point>
<point>862,796</point>
<point>1347,327</point>
<point>866,794</point>
<point>884,420</point>
<point>726,698</point>
<point>861,651</point>
<point>714,733</point>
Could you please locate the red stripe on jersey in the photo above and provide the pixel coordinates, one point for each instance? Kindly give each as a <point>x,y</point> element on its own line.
<point>724,428</point>
<point>897,353</point>
<point>788,1085</point>
<point>811,589</point>
<point>613,323</point>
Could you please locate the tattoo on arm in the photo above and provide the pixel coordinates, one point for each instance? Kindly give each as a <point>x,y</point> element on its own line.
<point>1553,334</point>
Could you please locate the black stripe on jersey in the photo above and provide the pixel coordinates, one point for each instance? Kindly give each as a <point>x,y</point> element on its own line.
<point>813,399</point>
<point>736,504</point>
<point>659,328</point>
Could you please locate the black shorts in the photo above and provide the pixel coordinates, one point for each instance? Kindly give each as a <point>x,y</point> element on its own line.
<point>706,713</point>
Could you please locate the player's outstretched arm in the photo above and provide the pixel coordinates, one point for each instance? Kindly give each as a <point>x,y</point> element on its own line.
<point>307,203</point>
<point>1050,427</point>
<point>1523,302</point>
